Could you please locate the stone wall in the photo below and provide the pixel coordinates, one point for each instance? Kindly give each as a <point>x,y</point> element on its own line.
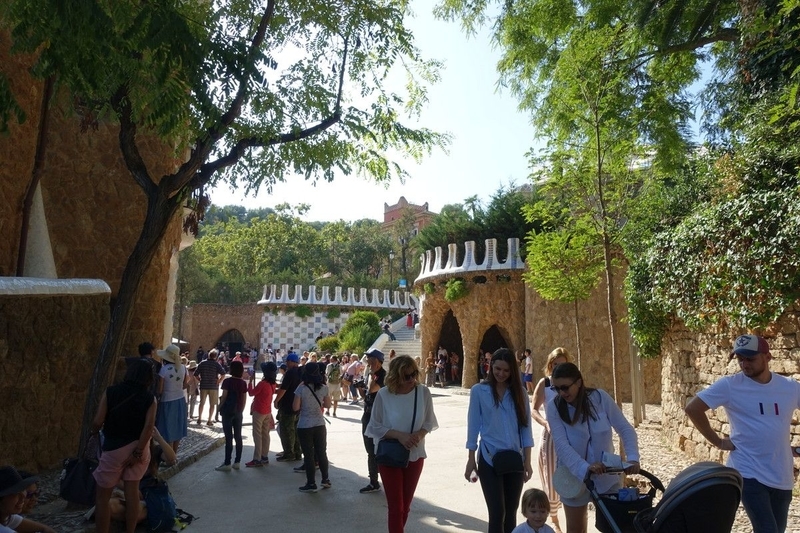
<point>494,303</point>
<point>48,347</point>
<point>551,324</point>
<point>693,360</point>
<point>94,209</point>
<point>204,324</point>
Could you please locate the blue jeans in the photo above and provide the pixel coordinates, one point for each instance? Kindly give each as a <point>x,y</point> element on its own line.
<point>767,508</point>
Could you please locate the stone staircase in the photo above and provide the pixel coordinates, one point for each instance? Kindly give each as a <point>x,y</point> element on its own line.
<point>406,343</point>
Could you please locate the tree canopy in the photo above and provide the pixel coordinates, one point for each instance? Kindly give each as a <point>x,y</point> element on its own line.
<point>249,91</point>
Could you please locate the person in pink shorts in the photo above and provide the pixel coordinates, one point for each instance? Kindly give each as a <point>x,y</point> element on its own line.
<point>126,414</point>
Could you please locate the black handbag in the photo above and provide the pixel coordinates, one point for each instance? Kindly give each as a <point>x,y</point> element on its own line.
<point>391,452</point>
<point>507,462</point>
<point>77,484</point>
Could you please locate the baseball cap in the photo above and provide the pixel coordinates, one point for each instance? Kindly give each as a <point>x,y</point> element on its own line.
<point>749,346</point>
<point>377,354</point>
<point>292,358</point>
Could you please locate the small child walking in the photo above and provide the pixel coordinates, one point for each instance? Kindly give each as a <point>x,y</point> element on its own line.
<point>536,509</point>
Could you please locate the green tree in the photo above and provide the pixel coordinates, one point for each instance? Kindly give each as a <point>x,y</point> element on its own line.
<point>564,265</point>
<point>212,79</point>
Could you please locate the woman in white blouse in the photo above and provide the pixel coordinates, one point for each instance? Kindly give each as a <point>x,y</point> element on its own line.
<point>581,420</point>
<point>392,415</point>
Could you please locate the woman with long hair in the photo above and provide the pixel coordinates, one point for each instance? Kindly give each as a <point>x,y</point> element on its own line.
<point>581,420</point>
<point>262,412</point>
<point>127,415</point>
<point>402,410</point>
<point>542,395</point>
<point>231,407</point>
<point>499,414</point>
<point>311,398</point>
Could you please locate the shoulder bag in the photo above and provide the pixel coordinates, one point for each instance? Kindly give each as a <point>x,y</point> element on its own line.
<point>391,452</point>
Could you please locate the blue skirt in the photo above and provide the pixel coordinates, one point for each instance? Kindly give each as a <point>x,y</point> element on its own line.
<point>171,419</point>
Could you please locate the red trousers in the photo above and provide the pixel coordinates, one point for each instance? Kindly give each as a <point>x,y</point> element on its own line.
<point>399,485</point>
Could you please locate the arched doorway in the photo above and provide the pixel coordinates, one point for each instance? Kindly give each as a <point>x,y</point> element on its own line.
<point>492,340</point>
<point>450,340</point>
<point>232,340</point>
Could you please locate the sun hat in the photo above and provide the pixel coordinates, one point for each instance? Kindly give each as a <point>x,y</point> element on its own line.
<point>11,482</point>
<point>566,484</point>
<point>171,353</point>
<point>749,346</point>
<point>192,365</point>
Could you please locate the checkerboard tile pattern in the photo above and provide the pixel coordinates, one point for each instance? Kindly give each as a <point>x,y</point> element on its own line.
<point>284,330</point>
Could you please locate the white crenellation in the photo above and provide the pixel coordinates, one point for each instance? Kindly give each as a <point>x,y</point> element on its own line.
<point>433,265</point>
<point>368,298</point>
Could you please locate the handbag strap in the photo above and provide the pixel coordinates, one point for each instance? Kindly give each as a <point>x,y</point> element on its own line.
<point>414,416</point>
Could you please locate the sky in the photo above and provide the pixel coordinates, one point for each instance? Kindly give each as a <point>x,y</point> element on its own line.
<point>490,138</point>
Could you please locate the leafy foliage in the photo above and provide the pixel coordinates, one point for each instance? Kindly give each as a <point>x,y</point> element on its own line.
<point>455,289</point>
<point>301,311</point>
<point>328,344</point>
<point>359,332</point>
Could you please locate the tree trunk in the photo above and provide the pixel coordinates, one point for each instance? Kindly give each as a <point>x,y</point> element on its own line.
<point>612,315</point>
<point>577,333</point>
<point>160,211</point>
<point>36,172</point>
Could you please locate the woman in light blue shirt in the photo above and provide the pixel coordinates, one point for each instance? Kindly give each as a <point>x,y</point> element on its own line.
<point>499,413</point>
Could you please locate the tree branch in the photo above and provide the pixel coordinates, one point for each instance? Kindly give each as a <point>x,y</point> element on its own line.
<point>723,35</point>
<point>188,171</point>
<point>207,170</point>
<point>127,142</point>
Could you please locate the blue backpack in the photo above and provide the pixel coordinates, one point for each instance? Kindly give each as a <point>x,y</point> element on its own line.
<point>161,510</point>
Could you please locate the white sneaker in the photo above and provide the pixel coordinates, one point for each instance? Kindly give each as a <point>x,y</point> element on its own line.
<point>223,468</point>
<point>236,466</point>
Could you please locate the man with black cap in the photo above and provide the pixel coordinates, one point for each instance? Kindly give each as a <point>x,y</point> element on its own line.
<point>377,375</point>
<point>12,500</point>
<point>759,405</point>
<point>287,418</point>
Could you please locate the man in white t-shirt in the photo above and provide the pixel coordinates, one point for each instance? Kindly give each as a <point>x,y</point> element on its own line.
<point>759,405</point>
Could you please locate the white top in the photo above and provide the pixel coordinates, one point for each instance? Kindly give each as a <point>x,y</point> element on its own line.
<point>760,415</point>
<point>11,524</point>
<point>395,411</point>
<point>525,528</point>
<point>577,448</point>
<point>173,381</point>
<point>529,365</point>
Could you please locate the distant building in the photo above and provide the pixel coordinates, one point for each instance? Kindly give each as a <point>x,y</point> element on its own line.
<point>392,214</point>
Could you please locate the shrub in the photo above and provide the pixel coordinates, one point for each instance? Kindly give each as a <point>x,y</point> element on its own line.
<point>328,344</point>
<point>360,331</point>
<point>430,288</point>
<point>333,313</point>
<point>454,289</point>
<point>303,311</point>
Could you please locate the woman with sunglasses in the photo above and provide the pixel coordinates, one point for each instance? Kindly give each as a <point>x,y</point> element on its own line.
<point>398,404</point>
<point>499,413</point>
<point>581,420</point>
<point>542,395</point>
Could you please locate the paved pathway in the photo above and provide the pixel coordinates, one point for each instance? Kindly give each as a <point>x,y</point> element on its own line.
<point>258,497</point>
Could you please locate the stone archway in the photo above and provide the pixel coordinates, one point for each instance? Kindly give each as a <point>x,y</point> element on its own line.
<point>450,339</point>
<point>493,338</point>
<point>232,340</point>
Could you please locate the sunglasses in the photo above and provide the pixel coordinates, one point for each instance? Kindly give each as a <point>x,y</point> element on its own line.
<point>31,495</point>
<point>411,376</point>
<point>562,388</point>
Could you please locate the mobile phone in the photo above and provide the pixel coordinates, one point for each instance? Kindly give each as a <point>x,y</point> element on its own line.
<point>796,450</point>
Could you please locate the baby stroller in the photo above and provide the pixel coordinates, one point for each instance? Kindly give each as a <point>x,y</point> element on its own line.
<point>615,515</point>
<point>701,499</point>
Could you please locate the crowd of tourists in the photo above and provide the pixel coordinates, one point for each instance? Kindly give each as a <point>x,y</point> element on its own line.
<point>144,418</point>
